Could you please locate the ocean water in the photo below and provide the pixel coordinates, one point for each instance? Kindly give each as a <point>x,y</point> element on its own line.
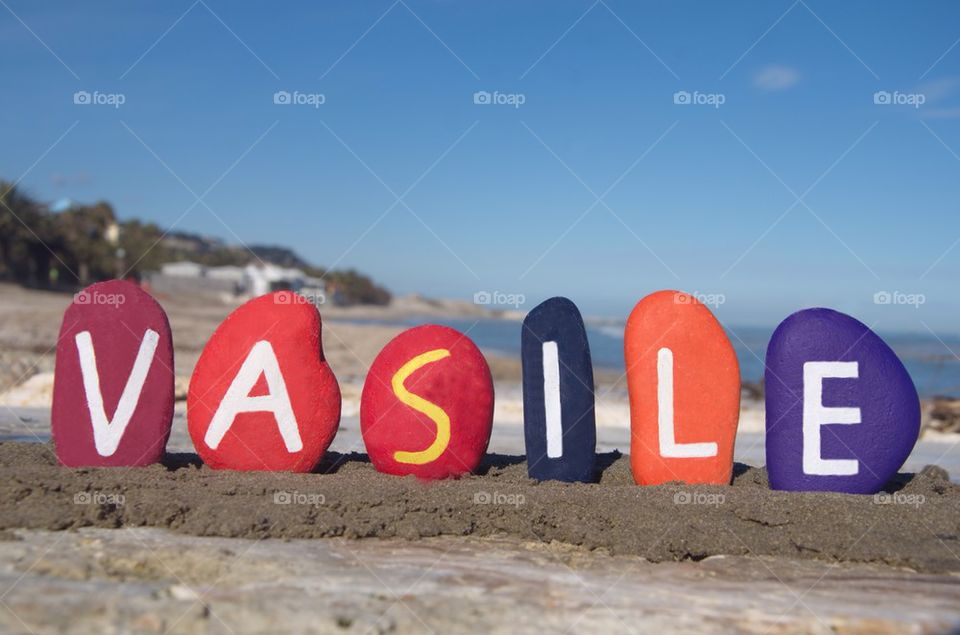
<point>932,363</point>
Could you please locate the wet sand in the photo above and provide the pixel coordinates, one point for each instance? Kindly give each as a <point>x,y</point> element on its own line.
<point>916,527</point>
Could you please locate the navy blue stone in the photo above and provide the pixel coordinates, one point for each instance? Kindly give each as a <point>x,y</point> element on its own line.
<point>883,391</point>
<point>558,320</point>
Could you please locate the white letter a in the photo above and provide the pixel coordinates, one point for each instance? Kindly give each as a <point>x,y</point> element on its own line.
<point>260,360</point>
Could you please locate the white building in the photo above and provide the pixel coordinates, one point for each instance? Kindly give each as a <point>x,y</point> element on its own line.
<point>265,277</point>
<point>183,269</point>
<point>252,280</point>
<point>229,273</point>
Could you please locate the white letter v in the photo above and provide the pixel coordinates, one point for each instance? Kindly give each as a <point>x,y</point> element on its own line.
<point>107,434</point>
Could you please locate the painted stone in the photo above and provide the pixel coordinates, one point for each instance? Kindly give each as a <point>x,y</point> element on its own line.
<point>113,381</point>
<point>684,385</point>
<point>262,396</point>
<point>427,405</point>
<point>842,412</point>
<point>558,400</point>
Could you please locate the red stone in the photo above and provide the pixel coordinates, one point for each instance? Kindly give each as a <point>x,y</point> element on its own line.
<point>107,328</point>
<point>672,332</point>
<point>427,405</point>
<point>262,396</point>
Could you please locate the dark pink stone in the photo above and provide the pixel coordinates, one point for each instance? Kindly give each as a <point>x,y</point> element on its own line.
<point>121,323</point>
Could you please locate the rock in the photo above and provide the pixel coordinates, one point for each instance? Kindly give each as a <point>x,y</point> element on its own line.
<point>121,580</point>
<point>427,404</point>
<point>113,382</point>
<point>752,390</point>
<point>842,412</point>
<point>262,396</point>
<point>181,386</point>
<point>684,384</point>
<point>36,392</point>
<point>944,414</point>
<point>935,473</point>
<point>558,400</point>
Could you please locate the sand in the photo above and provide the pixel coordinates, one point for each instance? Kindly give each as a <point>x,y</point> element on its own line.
<point>916,527</point>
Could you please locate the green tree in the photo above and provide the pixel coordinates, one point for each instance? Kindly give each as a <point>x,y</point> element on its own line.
<point>85,230</point>
<point>18,215</point>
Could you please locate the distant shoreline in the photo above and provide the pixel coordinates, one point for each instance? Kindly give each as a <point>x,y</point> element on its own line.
<point>935,371</point>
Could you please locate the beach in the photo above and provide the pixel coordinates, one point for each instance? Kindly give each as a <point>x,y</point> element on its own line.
<point>179,547</point>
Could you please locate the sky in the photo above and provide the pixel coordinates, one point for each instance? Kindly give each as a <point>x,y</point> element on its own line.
<point>767,156</point>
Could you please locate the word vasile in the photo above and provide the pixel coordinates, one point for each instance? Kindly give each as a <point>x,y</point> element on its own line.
<point>842,413</point>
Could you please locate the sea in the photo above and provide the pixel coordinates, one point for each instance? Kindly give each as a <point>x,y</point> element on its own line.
<point>932,362</point>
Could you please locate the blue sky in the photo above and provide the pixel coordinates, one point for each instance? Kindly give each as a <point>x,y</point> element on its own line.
<point>797,190</point>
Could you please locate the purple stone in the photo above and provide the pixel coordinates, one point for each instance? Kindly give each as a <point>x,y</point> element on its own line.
<point>842,412</point>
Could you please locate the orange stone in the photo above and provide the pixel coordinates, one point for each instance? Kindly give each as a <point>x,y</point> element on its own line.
<point>684,384</point>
